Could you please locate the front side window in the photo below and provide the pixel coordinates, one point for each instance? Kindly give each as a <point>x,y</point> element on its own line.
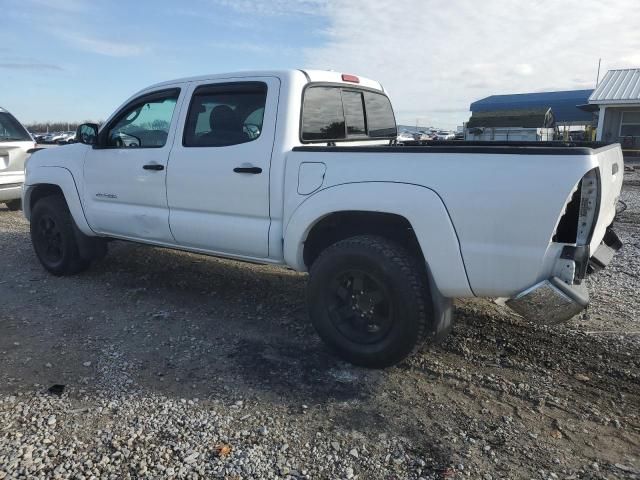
<point>144,124</point>
<point>332,113</point>
<point>630,126</point>
<point>225,114</point>
<point>11,130</point>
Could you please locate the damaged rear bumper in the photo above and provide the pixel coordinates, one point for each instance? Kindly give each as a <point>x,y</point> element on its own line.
<point>550,301</point>
<point>553,300</point>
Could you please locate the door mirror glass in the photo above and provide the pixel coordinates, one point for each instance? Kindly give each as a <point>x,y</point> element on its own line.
<point>87,133</point>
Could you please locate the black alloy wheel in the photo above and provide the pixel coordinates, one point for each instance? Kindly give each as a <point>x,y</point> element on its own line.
<point>360,307</point>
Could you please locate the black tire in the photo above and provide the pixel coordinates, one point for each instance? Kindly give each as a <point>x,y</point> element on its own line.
<point>53,237</point>
<point>14,205</point>
<point>345,288</point>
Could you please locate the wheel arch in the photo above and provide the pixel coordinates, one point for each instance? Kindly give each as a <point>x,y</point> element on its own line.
<point>46,181</point>
<point>379,208</point>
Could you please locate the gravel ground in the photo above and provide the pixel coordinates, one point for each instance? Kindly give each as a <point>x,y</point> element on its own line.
<point>164,364</point>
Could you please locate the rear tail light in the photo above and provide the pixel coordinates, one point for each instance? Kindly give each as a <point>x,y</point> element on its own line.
<point>577,223</point>
<point>589,195</point>
<point>350,78</point>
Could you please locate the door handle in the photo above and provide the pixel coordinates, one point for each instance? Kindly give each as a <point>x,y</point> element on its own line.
<point>153,166</point>
<point>253,170</point>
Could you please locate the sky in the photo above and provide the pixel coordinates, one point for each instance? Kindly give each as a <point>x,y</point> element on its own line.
<point>76,60</point>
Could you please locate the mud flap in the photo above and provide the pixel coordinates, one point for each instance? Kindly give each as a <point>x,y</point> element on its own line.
<point>89,248</point>
<point>442,321</point>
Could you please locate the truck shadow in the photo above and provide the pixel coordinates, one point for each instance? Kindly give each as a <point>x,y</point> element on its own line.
<point>147,320</point>
<point>175,323</point>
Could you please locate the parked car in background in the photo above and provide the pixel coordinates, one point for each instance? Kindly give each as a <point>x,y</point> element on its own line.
<point>66,137</point>
<point>39,136</point>
<point>58,137</point>
<point>48,138</point>
<point>445,135</point>
<point>405,137</point>
<point>15,141</point>
<point>421,136</point>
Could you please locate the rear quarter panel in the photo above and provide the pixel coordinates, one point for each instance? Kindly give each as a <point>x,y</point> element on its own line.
<point>503,208</point>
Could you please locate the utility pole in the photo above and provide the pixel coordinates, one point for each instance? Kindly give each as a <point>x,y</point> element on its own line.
<point>598,77</point>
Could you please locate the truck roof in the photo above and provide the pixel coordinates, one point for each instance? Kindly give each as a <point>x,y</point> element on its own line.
<point>329,76</point>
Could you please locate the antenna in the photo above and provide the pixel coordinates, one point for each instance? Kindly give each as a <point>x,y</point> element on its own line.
<point>598,77</point>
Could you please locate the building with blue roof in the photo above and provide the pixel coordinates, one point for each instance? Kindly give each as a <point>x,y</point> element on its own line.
<point>564,105</point>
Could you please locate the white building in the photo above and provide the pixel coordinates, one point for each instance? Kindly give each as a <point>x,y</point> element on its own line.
<point>617,98</point>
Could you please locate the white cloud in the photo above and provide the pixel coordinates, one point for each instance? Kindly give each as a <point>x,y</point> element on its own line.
<point>253,47</point>
<point>523,69</point>
<point>435,58</point>
<point>35,66</point>
<point>102,47</point>
<point>275,7</point>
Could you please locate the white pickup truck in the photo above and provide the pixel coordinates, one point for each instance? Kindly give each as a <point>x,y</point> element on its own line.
<point>300,168</point>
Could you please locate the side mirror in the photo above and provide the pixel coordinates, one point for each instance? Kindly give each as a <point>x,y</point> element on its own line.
<point>87,133</point>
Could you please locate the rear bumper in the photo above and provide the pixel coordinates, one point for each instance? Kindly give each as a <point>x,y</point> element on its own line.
<point>553,301</point>
<point>10,191</point>
<point>550,301</point>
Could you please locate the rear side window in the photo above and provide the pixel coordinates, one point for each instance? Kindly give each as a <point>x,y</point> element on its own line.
<point>333,113</point>
<point>222,115</point>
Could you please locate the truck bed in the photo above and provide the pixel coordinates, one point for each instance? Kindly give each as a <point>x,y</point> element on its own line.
<point>452,146</point>
<point>504,208</point>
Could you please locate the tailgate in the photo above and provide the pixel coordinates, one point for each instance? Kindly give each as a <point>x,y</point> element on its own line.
<point>611,167</point>
<point>12,158</point>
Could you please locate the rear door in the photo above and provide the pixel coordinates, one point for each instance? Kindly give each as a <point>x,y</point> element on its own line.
<point>218,173</point>
<point>125,173</point>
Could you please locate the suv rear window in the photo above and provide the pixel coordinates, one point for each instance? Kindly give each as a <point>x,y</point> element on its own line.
<point>11,130</point>
<point>332,113</point>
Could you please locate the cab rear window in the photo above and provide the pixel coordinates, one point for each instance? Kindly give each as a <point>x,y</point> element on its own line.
<point>333,113</point>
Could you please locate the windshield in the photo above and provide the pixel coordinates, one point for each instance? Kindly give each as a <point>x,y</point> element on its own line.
<point>11,130</point>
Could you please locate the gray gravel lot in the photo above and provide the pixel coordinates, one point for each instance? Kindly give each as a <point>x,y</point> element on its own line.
<point>180,366</point>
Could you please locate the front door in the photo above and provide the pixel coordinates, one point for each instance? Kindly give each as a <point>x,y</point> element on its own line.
<point>218,173</point>
<point>125,173</point>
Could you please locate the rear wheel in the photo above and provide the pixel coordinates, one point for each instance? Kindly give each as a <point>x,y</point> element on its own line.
<point>53,237</point>
<point>14,205</point>
<point>369,300</point>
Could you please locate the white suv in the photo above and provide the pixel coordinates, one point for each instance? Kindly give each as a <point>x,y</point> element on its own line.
<point>15,142</point>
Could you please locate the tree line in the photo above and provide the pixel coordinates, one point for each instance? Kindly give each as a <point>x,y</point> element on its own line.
<point>41,127</point>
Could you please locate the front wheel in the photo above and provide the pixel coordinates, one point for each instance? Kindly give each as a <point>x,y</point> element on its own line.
<point>369,300</point>
<point>53,237</point>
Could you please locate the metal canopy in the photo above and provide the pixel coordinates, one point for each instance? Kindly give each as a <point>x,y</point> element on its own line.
<point>618,86</point>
